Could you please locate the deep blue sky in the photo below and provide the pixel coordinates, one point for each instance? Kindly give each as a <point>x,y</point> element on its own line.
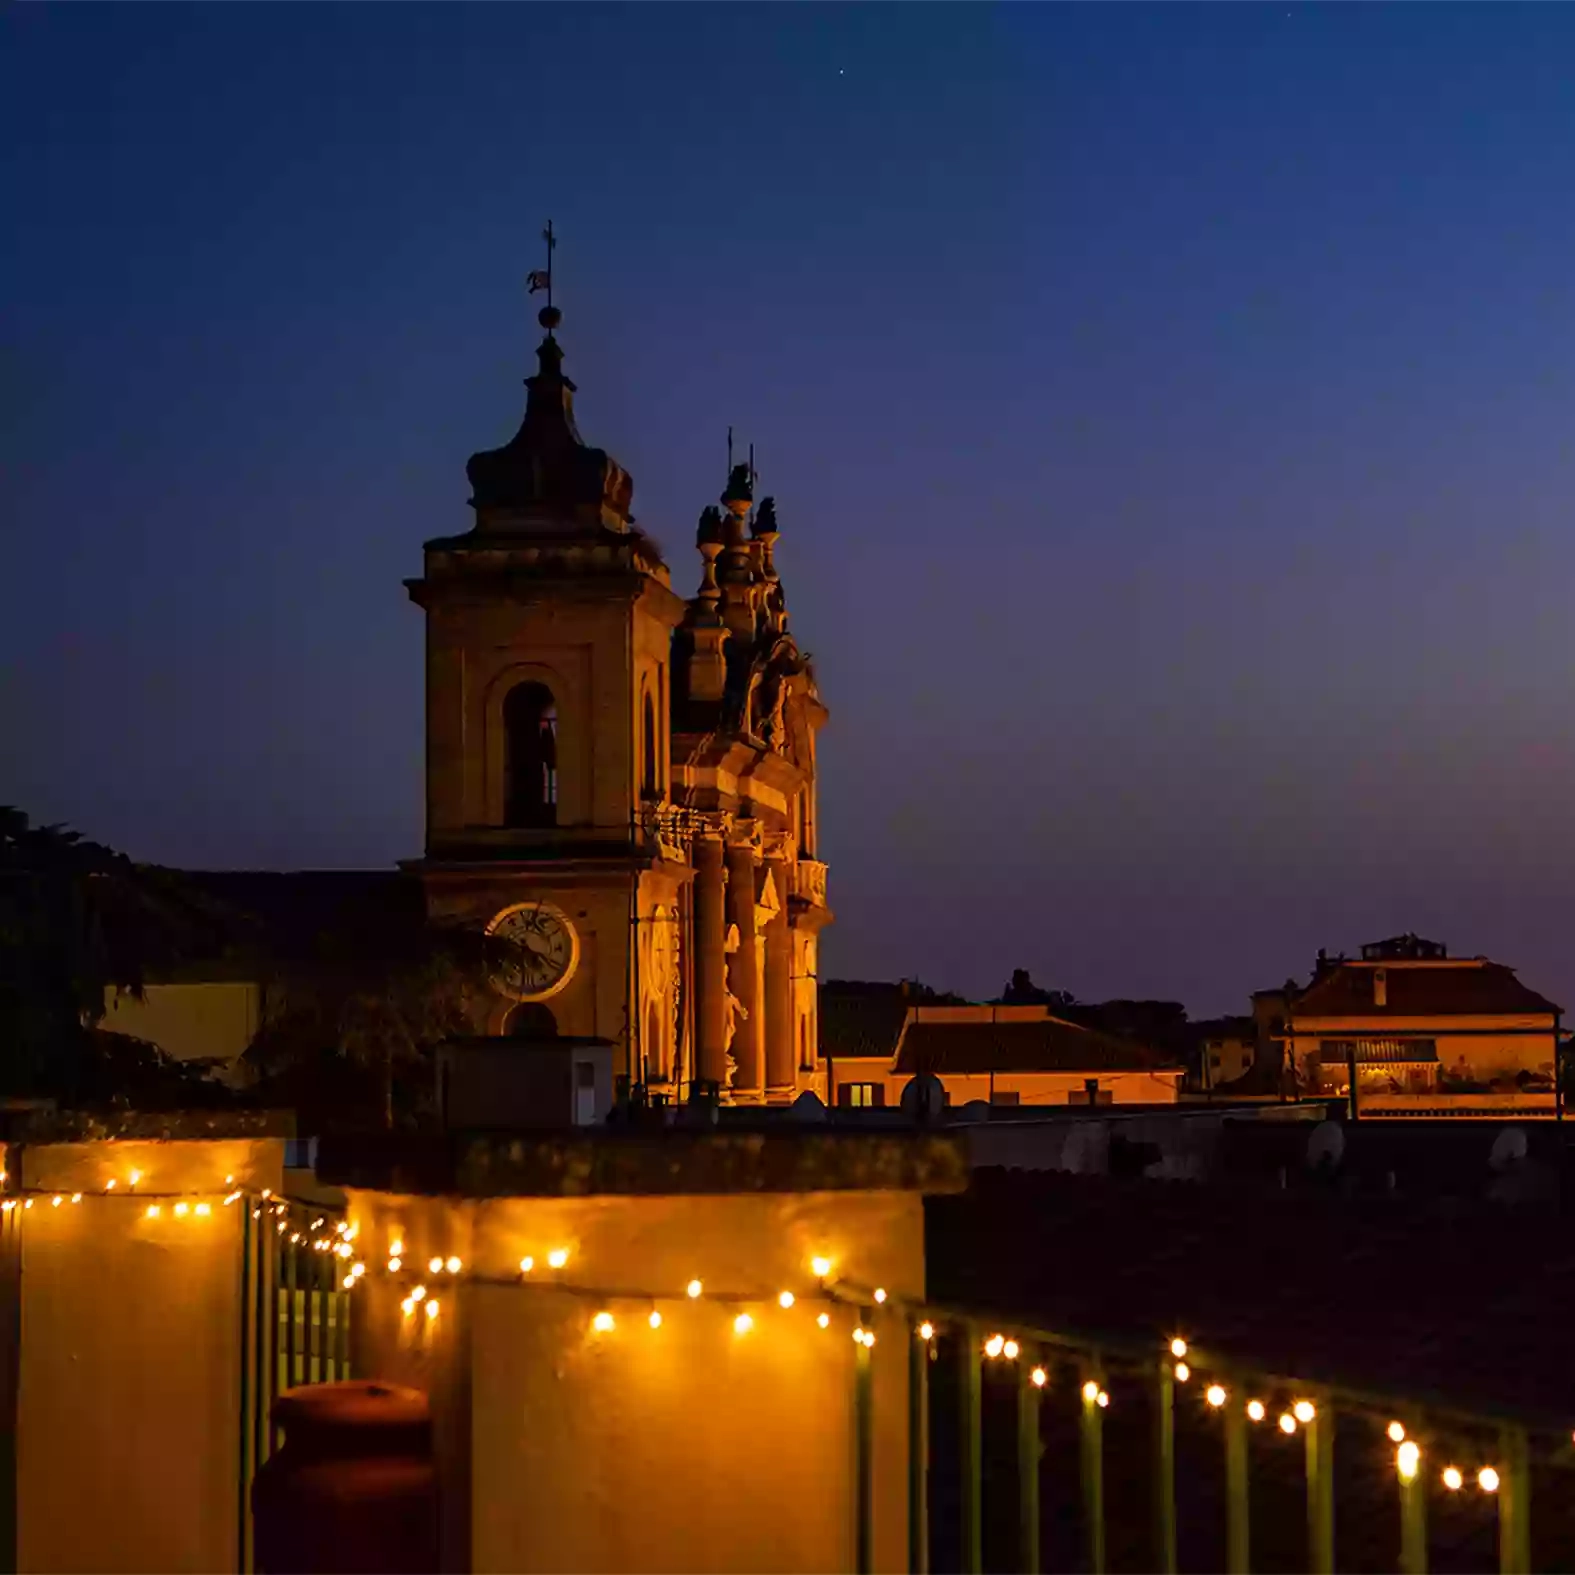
<point>1170,413</point>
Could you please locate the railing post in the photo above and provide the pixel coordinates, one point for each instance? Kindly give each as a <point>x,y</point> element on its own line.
<point>918,1453</point>
<point>1237,1502</point>
<point>864,1434</point>
<point>1028,1452</point>
<point>1093,1474</point>
<point>1320,1492</point>
<point>1514,1504</point>
<point>1413,1523</point>
<point>970,1450</point>
<point>1165,1469</point>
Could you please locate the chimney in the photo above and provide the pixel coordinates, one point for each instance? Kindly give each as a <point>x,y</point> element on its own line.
<point>1380,987</point>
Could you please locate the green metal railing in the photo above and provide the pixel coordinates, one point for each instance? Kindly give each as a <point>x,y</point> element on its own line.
<point>295,1325</point>
<point>1246,1430</point>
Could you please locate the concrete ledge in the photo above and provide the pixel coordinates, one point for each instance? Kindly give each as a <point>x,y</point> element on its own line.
<point>566,1165</point>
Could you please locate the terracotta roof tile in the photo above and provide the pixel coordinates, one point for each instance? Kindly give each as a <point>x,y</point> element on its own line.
<point>1461,989</point>
<point>1048,1045</point>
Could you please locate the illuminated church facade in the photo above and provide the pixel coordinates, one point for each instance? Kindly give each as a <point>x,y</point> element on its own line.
<point>620,777</point>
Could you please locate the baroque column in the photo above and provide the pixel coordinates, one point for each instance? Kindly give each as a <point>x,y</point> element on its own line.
<point>781,1080</point>
<point>745,975</point>
<point>710,964</point>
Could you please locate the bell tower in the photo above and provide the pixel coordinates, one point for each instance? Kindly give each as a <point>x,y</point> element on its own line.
<point>548,650</point>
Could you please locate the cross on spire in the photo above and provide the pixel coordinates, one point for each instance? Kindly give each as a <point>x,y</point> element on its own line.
<point>541,278</point>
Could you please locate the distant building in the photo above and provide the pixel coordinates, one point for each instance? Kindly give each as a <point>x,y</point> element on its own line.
<point>1226,1049</point>
<point>876,1038</point>
<point>1414,1020</point>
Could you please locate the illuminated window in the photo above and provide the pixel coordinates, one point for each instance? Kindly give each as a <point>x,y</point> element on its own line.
<point>530,756</point>
<point>861,1096</point>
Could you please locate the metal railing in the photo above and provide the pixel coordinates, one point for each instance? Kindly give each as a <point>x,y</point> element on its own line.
<point>1021,1437</point>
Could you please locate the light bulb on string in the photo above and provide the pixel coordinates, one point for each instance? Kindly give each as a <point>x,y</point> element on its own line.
<point>743,1323</point>
<point>434,1266</point>
<point>76,1197</point>
<point>1039,1377</point>
<point>1215,1395</point>
<point>153,1211</point>
<point>1183,1372</point>
<point>821,1267</point>
<point>602,1323</point>
<point>655,1320</point>
<point>418,1294</point>
<point>432,1308</point>
<point>1304,1411</point>
<point>880,1293</point>
<point>994,1345</point>
<point>1178,1347</point>
<point>56,1201</point>
<point>453,1265</point>
<point>926,1330</point>
<point>693,1290</point>
<point>1396,1431</point>
<point>1452,1479</point>
<point>1487,1479</point>
<point>1009,1350</point>
<point>1287,1423</point>
<point>526,1265</point>
<point>1408,1458</point>
<point>203,1210</point>
<point>785,1300</point>
<point>557,1257</point>
<point>1090,1392</point>
<point>1102,1400</point>
<point>1255,1411</point>
<point>824,1320</point>
<point>395,1264</point>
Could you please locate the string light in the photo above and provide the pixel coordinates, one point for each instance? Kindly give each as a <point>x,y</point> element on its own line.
<point>1183,1372</point>
<point>1090,1392</point>
<point>1102,1400</point>
<point>693,1289</point>
<point>743,1323</point>
<point>1255,1410</point>
<point>925,1331</point>
<point>1287,1423</point>
<point>1215,1395</point>
<point>76,1197</point>
<point>1453,1479</point>
<point>453,1265</point>
<point>396,1248</point>
<point>153,1212</point>
<point>1396,1431</point>
<point>1487,1479</point>
<point>1039,1377</point>
<point>1304,1411</point>
<point>419,1293</point>
<point>994,1345</point>
<point>655,1320</point>
<point>863,1337</point>
<point>1009,1350</point>
<point>434,1266</point>
<point>432,1308</point>
<point>824,1320</point>
<point>204,1210</point>
<point>56,1201</point>
<point>1408,1458</point>
<point>1178,1347</point>
<point>526,1265</point>
<point>409,1305</point>
<point>821,1267</point>
<point>785,1300</point>
<point>557,1257</point>
<point>136,1176</point>
<point>395,1264</point>
<point>602,1323</point>
<point>880,1294</point>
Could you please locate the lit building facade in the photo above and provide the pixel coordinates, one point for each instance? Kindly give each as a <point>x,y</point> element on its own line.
<point>621,778</point>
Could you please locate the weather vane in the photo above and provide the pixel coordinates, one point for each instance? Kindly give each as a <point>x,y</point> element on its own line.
<point>541,278</point>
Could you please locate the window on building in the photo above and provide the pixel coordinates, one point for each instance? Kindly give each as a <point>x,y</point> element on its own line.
<point>861,1096</point>
<point>650,778</point>
<point>530,756</point>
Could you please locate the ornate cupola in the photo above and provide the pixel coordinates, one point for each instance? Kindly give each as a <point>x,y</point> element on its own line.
<point>547,471</point>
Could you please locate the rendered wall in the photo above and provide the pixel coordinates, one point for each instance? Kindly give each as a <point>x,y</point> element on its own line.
<point>190,1021</point>
<point>688,1447</point>
<point>128,1405</point>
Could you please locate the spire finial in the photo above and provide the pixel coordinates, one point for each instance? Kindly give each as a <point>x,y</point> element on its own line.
<point>541,279</point>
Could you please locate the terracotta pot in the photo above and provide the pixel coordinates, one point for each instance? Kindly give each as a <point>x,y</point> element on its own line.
<point>353,1489</point>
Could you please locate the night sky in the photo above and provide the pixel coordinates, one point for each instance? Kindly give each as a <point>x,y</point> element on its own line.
<point>1169,412</point>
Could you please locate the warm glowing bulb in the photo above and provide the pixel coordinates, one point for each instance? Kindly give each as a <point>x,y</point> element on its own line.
<point>396,1248</point>
<point>869,1339</point>
<point>824,1320</point>
<point>880,1294</point>
<point>229,1181</point>
<point>785,1299</point>
<point>1009,1350</point>
<point>109,1186</point>
<point>1183,1372</point>
<point>409,1305</point>
<point>1396,1432</point>
<point>821,1266</point>
<point>434,1266</point>
<point>136,1176</point>
<point>153,1211</point>
<point>602,1323</point>
<point>1487,1479</point>
<point>743,1323</point>
<point>1215,1395</point>
<point>557,1257</point>
<point>295,1235</point>
<point>76,1197</point>
<point>347,1283</point>
<point>1287,1422</point>
<point>526,1265</point>
<point>1408,1457</point>
<point>182,1210</point>
<point>395,1264</point>
<point>204,1209</point>
<point>432,1308</point>
<point>1303,1411</point>
<point>28,1204</point>
<point>1255,1410</point>
<point>454,1265</point>
<point>419,1293</point>
<point>1039,1377</point>
<point>1101,1399</point>
<point>693,1289</point>
<point>1452,1479</point>
<point>1090,1392</point>
<point>655,1320</point>
<point>994,1345</point>
<point>1178,1347</point>
<point>926,1331</point>
<point>56,1201</point>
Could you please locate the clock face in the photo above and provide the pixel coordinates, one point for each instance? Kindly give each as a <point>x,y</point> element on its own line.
<point>548,946</point>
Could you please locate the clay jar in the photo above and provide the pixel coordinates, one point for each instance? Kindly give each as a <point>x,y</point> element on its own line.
<point>353,1490</point>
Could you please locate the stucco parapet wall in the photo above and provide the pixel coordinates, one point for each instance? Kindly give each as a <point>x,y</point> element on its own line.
<point>134,1126</point>
<point>668,1163</point>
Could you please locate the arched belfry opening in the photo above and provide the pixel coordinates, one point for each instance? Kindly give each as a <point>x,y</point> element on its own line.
<point>530,756</point>
<point>532,1020</point>
<point>650,775</point>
